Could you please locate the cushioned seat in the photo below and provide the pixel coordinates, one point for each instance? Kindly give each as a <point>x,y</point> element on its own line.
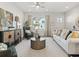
<point>10,52</point>
<point>13,51</point>
<point>27,33</point>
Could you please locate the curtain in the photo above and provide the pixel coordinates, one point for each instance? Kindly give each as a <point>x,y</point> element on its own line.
<point>47,31</point>
<point>47,27</point>
<point>30,19</point>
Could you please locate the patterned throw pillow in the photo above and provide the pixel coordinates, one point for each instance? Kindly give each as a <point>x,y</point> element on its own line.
<point>75,34</point>
<point>59,32</point>
<point>68,34</point>
<point>55,32</point>
<point>64,33</point>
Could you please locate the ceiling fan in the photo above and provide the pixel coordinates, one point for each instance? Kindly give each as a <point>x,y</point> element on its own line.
<point>38,5</point>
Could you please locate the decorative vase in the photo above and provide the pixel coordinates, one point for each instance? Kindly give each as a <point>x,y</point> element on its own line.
<point>37,37</point>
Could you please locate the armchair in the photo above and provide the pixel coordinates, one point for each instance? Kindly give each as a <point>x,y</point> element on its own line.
<point>27,33</point>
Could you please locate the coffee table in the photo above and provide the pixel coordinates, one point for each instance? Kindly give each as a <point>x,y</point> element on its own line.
<point>38,44</point>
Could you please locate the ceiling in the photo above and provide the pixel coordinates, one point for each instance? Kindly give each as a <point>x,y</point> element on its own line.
<point>48,6</point>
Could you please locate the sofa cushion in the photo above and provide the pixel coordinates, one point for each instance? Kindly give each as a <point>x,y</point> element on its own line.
<point>75,34</point>
<point>64,33</point>
<point>28,31</point>
<point>59,32</point>
<point>10,52</point>
<point>13,52</point>
<point>55,32</point>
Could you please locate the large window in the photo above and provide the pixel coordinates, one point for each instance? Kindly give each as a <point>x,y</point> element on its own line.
<point>60,20</point>
<point>38,22</point>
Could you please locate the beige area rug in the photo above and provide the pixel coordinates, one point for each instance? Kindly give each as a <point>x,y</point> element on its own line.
<point>52,49</point>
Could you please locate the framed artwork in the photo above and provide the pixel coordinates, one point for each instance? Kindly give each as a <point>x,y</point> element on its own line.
<point>9,17</point>
<point>2,16</point>
<point>38,22</point>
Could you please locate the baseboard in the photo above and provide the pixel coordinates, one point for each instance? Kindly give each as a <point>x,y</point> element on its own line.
<point>73,55</point>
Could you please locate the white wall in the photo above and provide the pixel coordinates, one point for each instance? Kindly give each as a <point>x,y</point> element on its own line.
<point>53,16</point>
<point>13,9</point>
<point>71,17</point>
<point>17,12</point>
<point>53,19</point>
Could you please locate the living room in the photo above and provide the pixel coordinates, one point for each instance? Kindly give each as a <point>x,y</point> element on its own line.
<point>39,29</point>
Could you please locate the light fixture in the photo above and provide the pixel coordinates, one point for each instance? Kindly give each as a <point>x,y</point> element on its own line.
<point>37,5</point>
<point>66,7</point>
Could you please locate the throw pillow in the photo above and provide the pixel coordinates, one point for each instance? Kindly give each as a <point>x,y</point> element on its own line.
<point>28,31</point>
<point>64,32</point>
<point>69,32</point>
<point>75,35</point>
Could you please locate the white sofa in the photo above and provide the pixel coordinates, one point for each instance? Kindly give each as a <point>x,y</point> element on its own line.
<point>71,45</point>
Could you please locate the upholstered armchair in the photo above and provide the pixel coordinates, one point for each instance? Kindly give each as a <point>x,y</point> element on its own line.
<point>10,52</point>
<point>27,33</point>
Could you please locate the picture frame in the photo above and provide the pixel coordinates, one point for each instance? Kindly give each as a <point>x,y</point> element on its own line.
<point>9,17</point>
